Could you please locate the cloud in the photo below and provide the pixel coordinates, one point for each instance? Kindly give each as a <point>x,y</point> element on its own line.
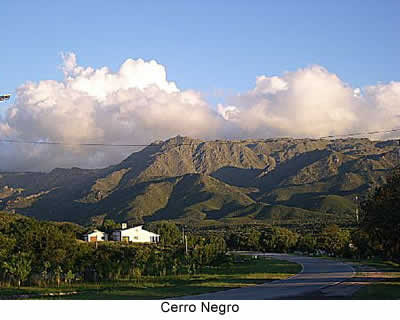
<point>138,104</point>
<point>311,102</point>
<point>230,113</point>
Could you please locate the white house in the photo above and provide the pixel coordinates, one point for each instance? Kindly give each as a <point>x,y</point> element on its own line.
<point>135,234</point>
<point>96,236</point>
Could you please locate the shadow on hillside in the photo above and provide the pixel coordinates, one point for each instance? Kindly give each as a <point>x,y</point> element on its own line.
<point>290,168</point>
<point>239,177</point>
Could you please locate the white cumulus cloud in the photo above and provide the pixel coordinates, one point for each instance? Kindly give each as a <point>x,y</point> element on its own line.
<point>312,102</point>
<point>136,104</point>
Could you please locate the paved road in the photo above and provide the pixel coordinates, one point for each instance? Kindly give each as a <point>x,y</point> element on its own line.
<point>316,275</point>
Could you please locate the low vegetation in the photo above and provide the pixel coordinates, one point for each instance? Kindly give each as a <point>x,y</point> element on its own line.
<point>229,272</point>
<point>384,289</point>
<point>46,253</point>
<point>233,273</point>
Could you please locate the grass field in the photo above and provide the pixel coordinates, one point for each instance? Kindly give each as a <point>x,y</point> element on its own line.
<point>380,279</point>
<point>385,284</point>
<point>386,288</point>
<point>246,272</point>
<point>379,264</point>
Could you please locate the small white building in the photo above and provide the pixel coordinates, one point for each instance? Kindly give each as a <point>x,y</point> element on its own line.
<point>95,236</point>
<point>135,234</point>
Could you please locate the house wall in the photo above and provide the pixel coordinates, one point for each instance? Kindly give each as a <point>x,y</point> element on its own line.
<point>137,234</point>
<point>101,236</point>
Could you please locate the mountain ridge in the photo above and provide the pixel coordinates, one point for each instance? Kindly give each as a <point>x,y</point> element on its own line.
<point>222,179</point>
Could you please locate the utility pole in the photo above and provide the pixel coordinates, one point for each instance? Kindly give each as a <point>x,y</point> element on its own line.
<point>184,239</point>
<point>357,214</point>
<point>186,246</point>
<point>399,149</point>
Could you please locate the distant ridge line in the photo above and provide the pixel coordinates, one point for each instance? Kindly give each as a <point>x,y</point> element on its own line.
<point>360,133</point>
<point>188,144</point>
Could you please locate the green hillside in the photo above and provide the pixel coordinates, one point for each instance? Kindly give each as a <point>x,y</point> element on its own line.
<point>204,181</point>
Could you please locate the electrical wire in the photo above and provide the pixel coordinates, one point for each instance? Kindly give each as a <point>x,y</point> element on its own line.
<point>360,133</point>
<point>74,144</point>
<point>177,144</point>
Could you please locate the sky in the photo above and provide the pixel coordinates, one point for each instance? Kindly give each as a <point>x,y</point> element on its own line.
<point>130,72</point>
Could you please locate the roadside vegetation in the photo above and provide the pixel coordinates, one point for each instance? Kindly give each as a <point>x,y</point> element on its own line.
<point>41,259</point>
<point>384,289</point>
<point>235,272</point>
<point>380,279</point>
<point>379,233</point>
<point>45,253</point>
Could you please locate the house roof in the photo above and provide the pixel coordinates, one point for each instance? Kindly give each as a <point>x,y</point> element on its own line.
<point>137,227</point>
<point>140,225</point>
<point>93,231</point>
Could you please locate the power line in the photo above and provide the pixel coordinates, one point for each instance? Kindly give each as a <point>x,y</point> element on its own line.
<point>75,144</point>
<point>360,133</point>
<point>55,143</point>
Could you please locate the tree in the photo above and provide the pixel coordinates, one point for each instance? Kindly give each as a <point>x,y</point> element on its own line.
<point>364,246</point>
<point>244,240</point>
<point>253,240</point>
<point>307,243</point>
<point>109,225</point>
<point>334,240</point>
<point>136,274</point>
<point>169,233</point>
<point>58,272</point>
<point>381,216</point>
<point>278,240</point>
<point>69,277</point>
<point>19,267</point>
<point>45,272</point>
<point>7,245</point>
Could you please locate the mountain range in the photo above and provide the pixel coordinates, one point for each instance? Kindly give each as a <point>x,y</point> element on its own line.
<point>205,182</point>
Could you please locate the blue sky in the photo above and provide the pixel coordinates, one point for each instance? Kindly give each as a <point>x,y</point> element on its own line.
<point>205,45</point>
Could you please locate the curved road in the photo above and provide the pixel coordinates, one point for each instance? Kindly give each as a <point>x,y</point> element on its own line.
<point>316,275</point>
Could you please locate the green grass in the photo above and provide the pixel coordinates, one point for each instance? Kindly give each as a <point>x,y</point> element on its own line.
<point>248,272</point>
<point>13,291</point>
<point>387,289</point>
<point>381,265</point>
<point>377,263</point>
<point>385,286</point>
